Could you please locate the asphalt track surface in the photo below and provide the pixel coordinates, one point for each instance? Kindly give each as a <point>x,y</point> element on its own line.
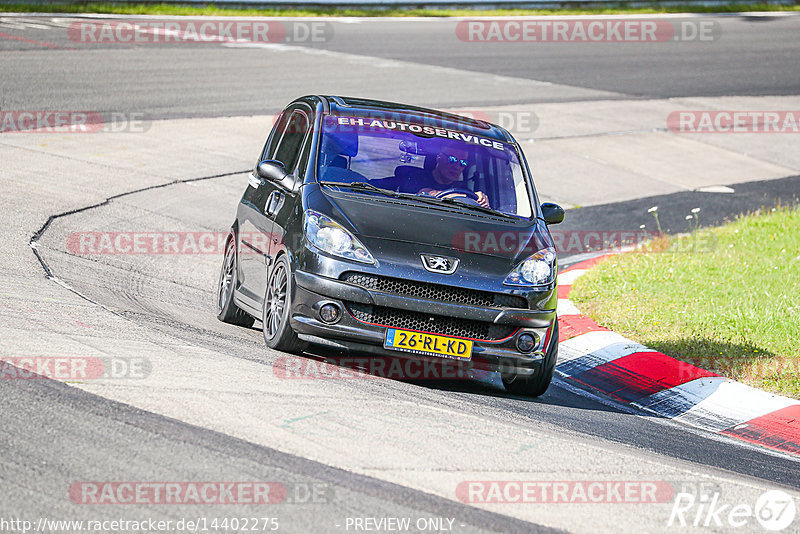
<point>70,416</point>
<point>57,434</point>
<point>75,435</point>
<point>750,55</point>
<point>184,315</point>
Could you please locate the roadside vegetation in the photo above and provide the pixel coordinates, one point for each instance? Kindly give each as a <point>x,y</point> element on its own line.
<point>726,299</point>
<point>125,8</point>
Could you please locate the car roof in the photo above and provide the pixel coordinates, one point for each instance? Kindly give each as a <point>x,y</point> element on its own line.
<point>363,107</point>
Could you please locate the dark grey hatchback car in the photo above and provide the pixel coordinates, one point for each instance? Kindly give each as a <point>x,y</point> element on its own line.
<point>391,230</point>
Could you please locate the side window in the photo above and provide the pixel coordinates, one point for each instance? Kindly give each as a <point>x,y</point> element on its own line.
<point>305,153</point>
<point>274,136</point>
<point>291,141</point>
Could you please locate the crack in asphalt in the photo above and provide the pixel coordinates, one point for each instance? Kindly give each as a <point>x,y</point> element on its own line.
<point>40,232</point>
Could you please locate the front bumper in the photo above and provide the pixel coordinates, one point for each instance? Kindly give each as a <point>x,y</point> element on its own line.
<point>313,291</point>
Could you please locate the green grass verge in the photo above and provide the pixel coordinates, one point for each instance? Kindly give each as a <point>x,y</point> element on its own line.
<point>213,10</point>
<point>726,299</point>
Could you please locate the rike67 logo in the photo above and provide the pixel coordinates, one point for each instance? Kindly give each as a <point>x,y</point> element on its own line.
<point>774,510</point>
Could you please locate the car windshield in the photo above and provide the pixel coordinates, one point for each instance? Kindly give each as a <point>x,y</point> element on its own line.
<point>428,160</point>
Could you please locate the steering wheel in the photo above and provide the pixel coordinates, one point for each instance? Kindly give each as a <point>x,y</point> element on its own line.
<point>465,192</point>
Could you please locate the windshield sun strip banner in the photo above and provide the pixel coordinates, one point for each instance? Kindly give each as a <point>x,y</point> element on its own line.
<point>415,128</point>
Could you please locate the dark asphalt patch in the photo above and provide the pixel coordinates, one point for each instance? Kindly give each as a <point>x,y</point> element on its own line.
<point>715,208</point>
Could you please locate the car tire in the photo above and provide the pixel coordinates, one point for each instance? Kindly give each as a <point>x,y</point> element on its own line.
<point>278,333</point>
<point>227,310</point>
<point>535,385</point>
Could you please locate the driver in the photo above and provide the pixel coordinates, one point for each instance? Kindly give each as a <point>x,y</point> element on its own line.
<point>450,164</point>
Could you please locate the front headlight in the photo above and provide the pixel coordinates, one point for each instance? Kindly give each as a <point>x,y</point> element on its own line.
<point>538,270</point>
<point>330,237</point>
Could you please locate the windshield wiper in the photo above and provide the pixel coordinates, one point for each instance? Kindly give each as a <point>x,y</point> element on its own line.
<point>477,207</point>
<point>362,186</point>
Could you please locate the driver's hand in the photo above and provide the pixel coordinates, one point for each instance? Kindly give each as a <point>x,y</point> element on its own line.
<point>428,191</point>
<point>483,200</point>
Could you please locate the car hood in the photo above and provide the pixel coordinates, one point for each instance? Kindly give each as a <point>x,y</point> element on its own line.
<point>461,230</point>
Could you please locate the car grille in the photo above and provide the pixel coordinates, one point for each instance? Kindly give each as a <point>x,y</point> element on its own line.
<point>442,293</point>
<point>435,324</point>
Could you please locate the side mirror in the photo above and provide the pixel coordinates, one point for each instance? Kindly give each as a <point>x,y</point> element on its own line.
<point>553,213</point>
<point>272,170</point>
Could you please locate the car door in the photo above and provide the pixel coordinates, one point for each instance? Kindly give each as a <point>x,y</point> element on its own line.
<point>260,203</point>
<point>293,152</point>
<point>254,226</point>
